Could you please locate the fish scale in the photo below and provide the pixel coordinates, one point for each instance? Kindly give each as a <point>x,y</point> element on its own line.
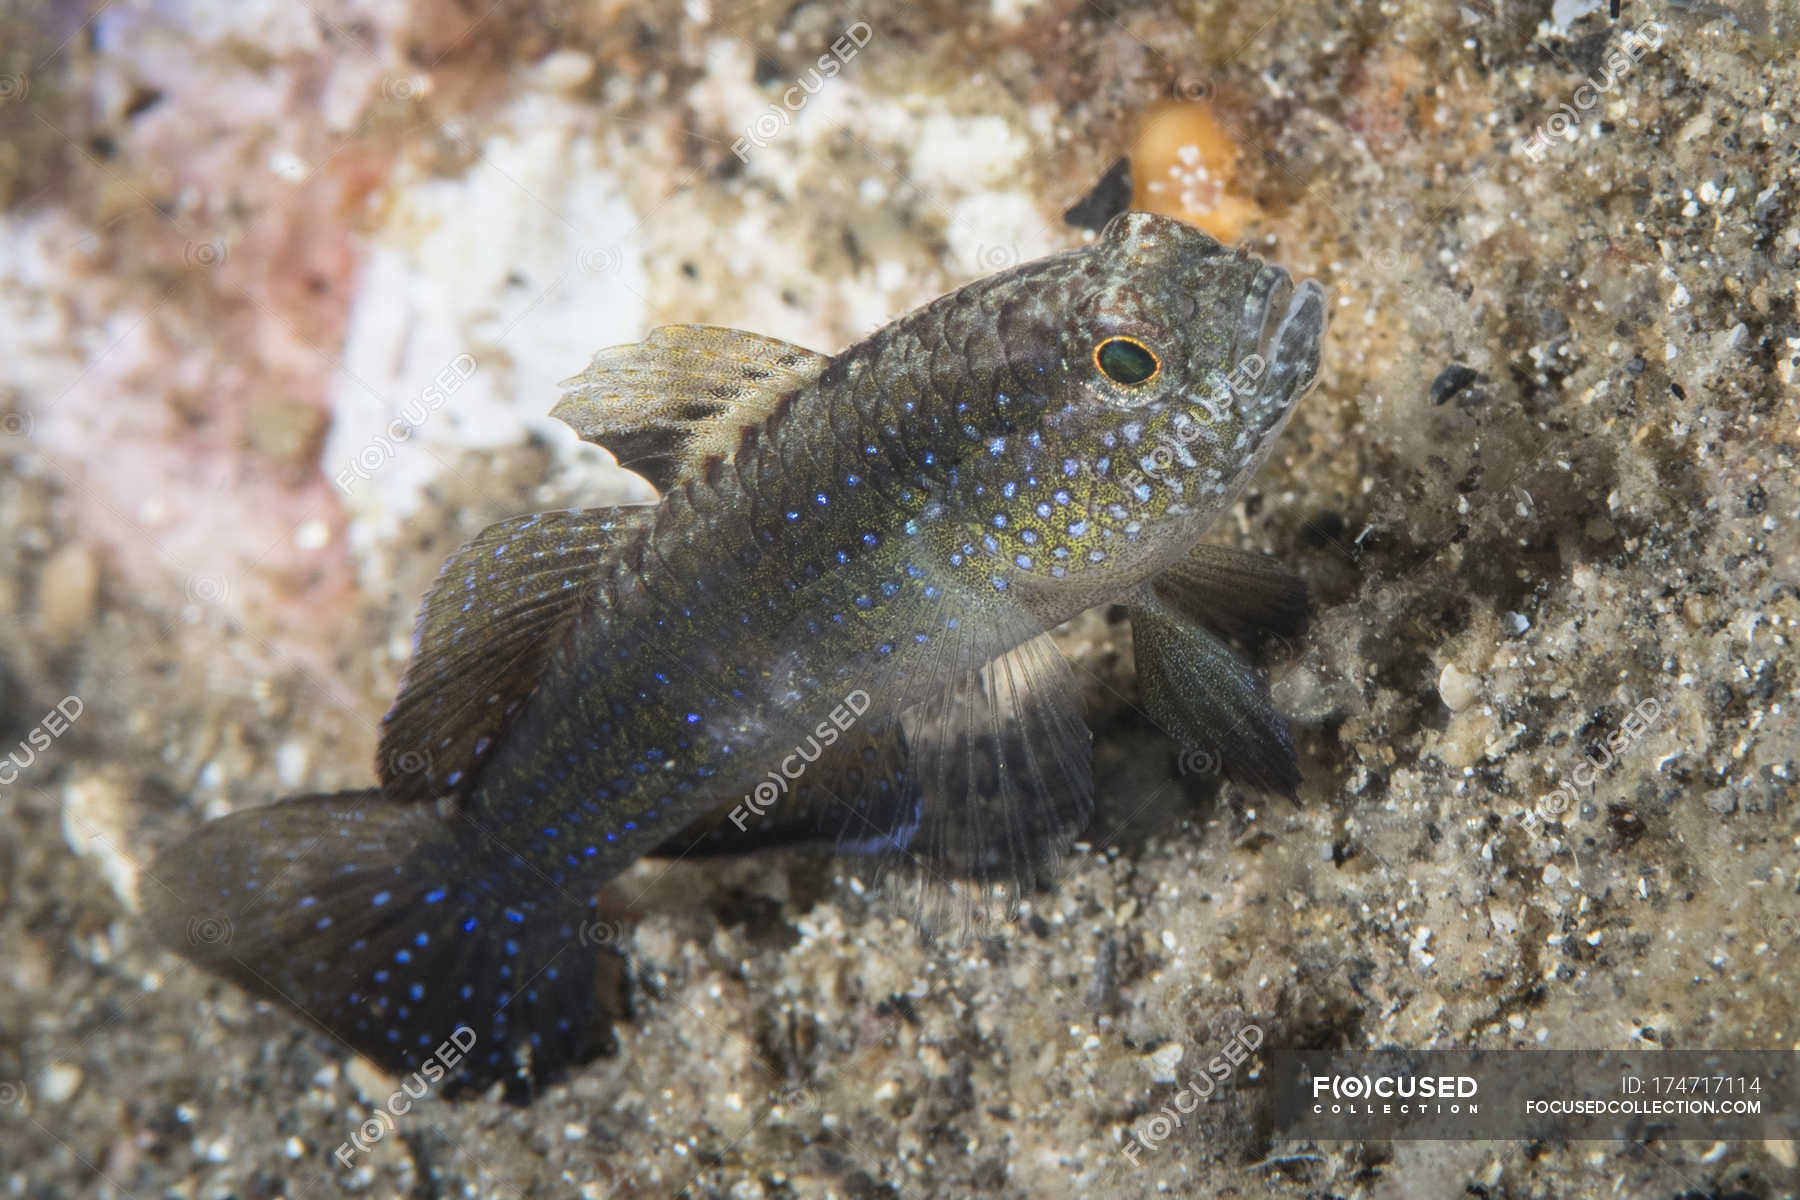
<point>832,629</point>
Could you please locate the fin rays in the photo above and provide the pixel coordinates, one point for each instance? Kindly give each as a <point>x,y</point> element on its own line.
<point>682,396</point>
<point>1209,699</point>
<point>501,606</point>
<point>1241,594</point>
<point>388,928</point>
<point>998,769</point>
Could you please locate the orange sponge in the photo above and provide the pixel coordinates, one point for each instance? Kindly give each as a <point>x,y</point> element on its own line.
<point>1184,165</point>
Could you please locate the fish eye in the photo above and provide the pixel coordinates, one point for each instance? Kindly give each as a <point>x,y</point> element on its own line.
<point>1126,360</point>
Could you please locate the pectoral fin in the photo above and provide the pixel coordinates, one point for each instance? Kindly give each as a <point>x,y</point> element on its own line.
<point>1002,759</point>
<point>962,787</point>
<point>1208,698</point>
<point>998,768</point>
<point>984,781</point>
<point>684,394</point>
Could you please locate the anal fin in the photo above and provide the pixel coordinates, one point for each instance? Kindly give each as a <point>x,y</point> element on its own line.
<point>857,787</point>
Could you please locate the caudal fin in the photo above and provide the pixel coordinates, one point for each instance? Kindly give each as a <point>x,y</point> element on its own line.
<point>389,926</point>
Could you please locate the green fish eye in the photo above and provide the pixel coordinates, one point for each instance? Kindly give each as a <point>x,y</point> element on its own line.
<point>1126,360</point>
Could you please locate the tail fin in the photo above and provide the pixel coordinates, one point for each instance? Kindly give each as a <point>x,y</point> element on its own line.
<point>390,927</point>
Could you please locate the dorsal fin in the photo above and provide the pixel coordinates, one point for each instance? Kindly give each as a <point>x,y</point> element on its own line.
<point>500,607</point>
<point>664,405</point>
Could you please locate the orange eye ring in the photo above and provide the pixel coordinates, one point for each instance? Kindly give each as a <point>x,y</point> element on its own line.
<point>1126,361</point>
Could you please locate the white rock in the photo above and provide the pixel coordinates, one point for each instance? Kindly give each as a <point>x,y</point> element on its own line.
<point>97,824</point>
<point>1456,689</point>
<point>1164,1061</point>
<point>59,1082</point>
<point>502,298</point>
<point>290,763</point>
<point>68,594</point>
<point>564,70</point>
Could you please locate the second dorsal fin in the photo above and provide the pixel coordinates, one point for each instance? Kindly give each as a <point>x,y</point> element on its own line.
<point>500,607</point>
<point>666,404</point>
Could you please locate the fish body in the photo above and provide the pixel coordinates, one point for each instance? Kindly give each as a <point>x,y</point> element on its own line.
<point>832,628</point>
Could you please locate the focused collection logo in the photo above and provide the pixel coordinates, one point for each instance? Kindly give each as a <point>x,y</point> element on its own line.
<point>1395,1095</point>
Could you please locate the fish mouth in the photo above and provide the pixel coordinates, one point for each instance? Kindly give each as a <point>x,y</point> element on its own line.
<point>1286,325</point>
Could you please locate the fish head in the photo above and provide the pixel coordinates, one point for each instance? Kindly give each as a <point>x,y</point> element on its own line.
<point>1199,347</point>
<point>1178,361</point>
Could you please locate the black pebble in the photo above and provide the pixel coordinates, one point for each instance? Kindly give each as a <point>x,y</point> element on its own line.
<point>1451,380</point>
